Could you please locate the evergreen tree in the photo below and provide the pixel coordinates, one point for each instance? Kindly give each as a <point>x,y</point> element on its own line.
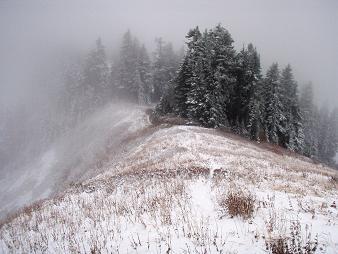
<point>309,116</point>
<point>182,83</point>
<point>332,145</point>
<point>128,74</point>
<point>72,100</point>
<point>223,57</point>
<point>274,111</point>
<point>164,68</point>
<point>212,79</point>
<point>246,102</point>
<point>256,112</point>
<point>182,88</point>
<point>144,69</point>
<point>323,134</point>
<point>293,138</point>
<point>327,135</point>
<point>95,77</point>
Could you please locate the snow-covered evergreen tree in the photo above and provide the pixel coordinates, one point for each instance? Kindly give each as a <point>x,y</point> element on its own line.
<point>274,111</point>
<point>246,103</point>
<point>182,82</point>
<point>293,138</point>
<point>211,61</point>
<point>256,112</point>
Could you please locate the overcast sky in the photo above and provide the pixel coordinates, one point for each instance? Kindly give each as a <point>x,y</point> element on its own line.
<point>303,33</point>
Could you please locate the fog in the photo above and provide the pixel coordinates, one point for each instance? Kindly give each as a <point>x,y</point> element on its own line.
<point>37,36</point>
<point>302,33</point>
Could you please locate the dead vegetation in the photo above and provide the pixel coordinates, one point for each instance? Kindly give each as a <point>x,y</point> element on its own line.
<point>294,243</point>
<point>238,203</point>
<point>150,192</point>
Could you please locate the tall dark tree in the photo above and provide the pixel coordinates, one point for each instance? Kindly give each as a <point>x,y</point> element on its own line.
<point>274,111</point>
<point>293,137</point>
<point>256,112</point>
<point>205,81</point>
<point>182,82</point>
<point>245,99</point>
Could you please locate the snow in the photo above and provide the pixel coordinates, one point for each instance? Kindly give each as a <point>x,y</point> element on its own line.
<point>78,154</point>
<point>164,196</point>
<point>201,197</point>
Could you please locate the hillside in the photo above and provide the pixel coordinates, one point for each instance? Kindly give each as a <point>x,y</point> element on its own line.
<point>184,189</point>
<point>80,153</point>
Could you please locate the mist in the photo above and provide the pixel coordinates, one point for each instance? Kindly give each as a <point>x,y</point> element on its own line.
<point>39,38</point>
<point>297,32</point>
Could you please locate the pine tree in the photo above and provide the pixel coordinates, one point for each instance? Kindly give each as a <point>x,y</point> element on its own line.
<point>165,65</point>
<point>197,96</point>
<point>327,134</point>
<point>128,74</point>
<point>206,78</point>
<point>274,112</point>
<point>293,138</point>
<point>245,101</point>
<point>223,56</point>
<point>256,112</point>
<point>332,148</point>
<point>182,82</point>
<point>323,132</point>
<point>309,115</point>
<point>212,78</point>
<point>181,88</point>
<point>72,100</point>
<point>95,79</point>
<point>144,69</point>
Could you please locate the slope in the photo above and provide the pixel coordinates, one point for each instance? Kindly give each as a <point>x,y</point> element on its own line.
<point>78,154</point>
<point>175,190</point>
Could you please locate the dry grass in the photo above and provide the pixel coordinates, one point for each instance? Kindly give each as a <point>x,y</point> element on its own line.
<point>238,203</point>
<point>150,188</point>
<point>294,243</point>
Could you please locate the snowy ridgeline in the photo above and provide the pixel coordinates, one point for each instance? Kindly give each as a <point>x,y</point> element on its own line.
<point>76,155</point>
<point>172,194</point>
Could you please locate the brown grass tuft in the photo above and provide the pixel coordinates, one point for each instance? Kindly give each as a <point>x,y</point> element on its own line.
<point>295,243</point>
<point>238,203</point>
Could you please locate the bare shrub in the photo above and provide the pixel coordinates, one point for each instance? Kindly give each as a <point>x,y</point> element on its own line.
<point>334,179</point>
<point>295,243</point>
<point>238,203</point>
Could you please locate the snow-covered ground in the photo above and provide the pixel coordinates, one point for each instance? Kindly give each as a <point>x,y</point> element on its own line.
<point>168,192</point>
<point>78,154</point>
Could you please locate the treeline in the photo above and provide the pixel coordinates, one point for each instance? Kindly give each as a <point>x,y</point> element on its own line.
<point>133,76</point>
<point>70,83</point>
<point>320,128</point>
<point>219,87</point>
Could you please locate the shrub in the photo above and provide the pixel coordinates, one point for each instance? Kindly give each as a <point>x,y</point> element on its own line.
<point>238,203</point>
<point>293,244</point>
